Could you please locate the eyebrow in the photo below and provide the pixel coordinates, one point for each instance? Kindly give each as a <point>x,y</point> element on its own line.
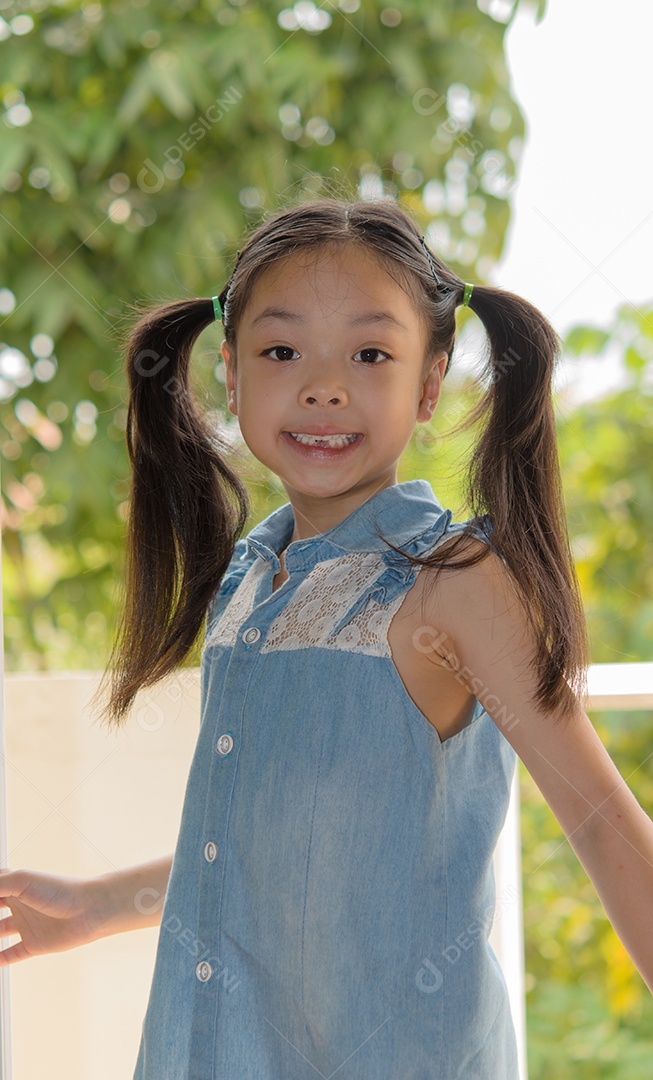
<point>283,314</point>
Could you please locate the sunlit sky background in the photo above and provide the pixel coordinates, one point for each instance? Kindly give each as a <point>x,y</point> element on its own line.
<point>580,242</point>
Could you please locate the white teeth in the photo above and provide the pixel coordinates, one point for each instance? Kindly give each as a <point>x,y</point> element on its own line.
<point>323,440</point>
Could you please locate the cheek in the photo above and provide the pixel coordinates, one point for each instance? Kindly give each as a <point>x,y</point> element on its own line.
<point>399,402</point>
<point>259,412</point>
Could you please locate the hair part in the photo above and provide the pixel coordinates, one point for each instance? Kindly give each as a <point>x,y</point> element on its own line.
<point>381,228</point>
<point>188,506</point>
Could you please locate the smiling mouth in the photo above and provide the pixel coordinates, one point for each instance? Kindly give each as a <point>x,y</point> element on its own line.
<point>333,441</point>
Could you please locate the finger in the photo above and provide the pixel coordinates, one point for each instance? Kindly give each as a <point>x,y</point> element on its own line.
<point>13,954</point>
<point>7,926</point>
<point>11,884</point>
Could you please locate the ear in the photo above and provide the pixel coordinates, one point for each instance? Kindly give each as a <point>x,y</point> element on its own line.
<point>230,378</point>
<point>431,388</point>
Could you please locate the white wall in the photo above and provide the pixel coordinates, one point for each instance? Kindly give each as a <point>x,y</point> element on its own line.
<point>83,802</point>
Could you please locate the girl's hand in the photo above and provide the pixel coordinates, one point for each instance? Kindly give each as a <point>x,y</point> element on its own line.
<point>50,913</point>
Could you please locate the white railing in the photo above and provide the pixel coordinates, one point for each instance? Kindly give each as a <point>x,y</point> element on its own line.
<point>610,686</point>
<point>82,802</point>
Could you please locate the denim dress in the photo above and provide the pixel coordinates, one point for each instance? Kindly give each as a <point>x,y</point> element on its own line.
<point>332,890</point>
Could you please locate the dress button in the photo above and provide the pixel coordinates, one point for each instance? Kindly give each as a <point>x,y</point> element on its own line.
<point>251,635</point>
<point>210,851</point>
<point>203,971</point>
<point>225,744</point>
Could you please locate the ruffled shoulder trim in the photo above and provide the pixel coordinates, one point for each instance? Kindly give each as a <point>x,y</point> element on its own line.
<point>439,532</point>
<point>239,564</point>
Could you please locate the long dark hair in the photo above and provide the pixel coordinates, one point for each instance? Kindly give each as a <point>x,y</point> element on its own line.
<point>188,506</point>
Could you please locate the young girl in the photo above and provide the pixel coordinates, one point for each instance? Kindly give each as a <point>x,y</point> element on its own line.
<point>370,672</point>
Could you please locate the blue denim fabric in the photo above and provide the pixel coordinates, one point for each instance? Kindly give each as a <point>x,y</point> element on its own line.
<point>332,891</point>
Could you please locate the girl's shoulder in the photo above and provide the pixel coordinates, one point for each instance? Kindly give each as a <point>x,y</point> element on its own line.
<point>474,603</point>
<point>479,583</point>
<point>478,533</point>
<point>445,532</point>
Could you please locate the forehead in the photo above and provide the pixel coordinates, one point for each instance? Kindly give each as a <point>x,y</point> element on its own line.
<point>327,281</point>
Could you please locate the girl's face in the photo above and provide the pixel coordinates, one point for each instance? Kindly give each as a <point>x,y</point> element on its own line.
<point>329,345</point>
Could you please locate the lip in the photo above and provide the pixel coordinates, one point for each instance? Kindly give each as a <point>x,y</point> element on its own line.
<point>320,429</point>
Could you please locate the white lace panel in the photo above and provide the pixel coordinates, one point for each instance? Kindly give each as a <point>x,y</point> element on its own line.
<point>239,607</point>
<point>323,598</point>
<point>315,609</point>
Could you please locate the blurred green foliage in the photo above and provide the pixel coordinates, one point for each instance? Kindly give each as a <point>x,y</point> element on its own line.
<point>138,141</point>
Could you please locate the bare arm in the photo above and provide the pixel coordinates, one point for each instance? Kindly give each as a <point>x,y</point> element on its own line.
<point>608,830</point>
<point>130,899</point>
<point>51,913</point>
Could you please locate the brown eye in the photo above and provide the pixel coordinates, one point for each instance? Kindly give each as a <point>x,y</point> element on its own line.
<point>372,349</point>
<point>280,348</point>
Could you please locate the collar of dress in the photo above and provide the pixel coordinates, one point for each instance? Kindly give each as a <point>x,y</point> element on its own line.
<point>401,513</point>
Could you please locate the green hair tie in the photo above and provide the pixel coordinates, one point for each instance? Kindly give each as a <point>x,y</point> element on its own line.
<point>468,293</point>
<point>216,307</point>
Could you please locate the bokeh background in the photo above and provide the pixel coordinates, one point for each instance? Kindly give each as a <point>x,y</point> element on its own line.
<point>140,141</point>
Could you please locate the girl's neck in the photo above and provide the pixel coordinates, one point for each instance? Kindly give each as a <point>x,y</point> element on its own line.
<point>314,515</point>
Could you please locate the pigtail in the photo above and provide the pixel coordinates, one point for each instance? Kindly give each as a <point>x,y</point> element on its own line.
<point>514,478</point>
<point>186,510</point>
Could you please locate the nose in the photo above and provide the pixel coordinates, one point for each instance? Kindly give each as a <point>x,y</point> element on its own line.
<point>321,397</point>
<point>324,392</point>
